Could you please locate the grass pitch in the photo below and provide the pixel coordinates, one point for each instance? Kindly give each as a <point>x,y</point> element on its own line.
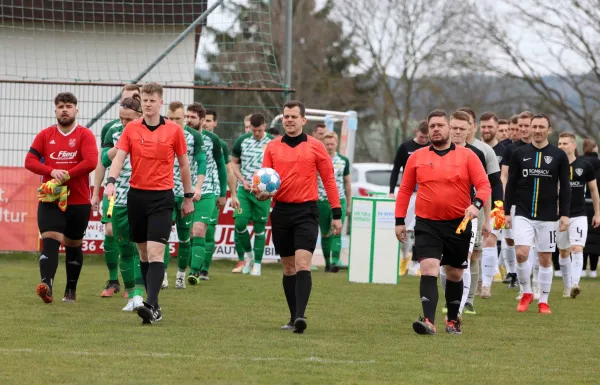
<point>226,331</point>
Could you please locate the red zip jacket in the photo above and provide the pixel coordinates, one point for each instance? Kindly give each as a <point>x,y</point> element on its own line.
<point>297,161</point>
<point>444,183</point>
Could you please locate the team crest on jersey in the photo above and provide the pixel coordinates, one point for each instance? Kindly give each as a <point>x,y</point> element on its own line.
<point>548,159</point>
<point>72,142</point>
<point>579,171</point>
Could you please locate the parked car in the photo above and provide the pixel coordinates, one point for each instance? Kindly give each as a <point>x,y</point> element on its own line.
<point>370,178</point>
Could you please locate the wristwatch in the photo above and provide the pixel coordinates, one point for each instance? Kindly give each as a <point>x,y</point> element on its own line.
<point>110,179</point>
<point>188,195</point>
<point>478,203</point>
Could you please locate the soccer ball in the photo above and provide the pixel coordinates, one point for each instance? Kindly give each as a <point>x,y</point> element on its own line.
<point>265,180</point>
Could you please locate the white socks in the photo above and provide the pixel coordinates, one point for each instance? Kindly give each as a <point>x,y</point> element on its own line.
<point>466,287</point>
<point>545,282</point>
<point>576,267</point>
<point>565,269</point>
<point>535,262</point>
<point>510,257</point>
<point>524,274</point>
<point>489,261</point>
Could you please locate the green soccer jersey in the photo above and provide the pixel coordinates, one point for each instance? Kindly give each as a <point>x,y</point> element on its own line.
<point>250,152</point>
<point>226,154</point>
<point>212,148</point>
<point>105,128</point>
<point>194,142</point>
<point>341,168</point>
<point>122,183</point>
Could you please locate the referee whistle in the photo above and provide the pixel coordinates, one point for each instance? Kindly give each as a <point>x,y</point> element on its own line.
<point>463,225</point>
<point>111,206</point>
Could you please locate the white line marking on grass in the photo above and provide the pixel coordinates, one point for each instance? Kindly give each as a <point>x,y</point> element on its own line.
<point>189,356</point>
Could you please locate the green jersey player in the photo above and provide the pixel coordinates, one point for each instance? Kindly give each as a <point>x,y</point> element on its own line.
<point>111,252</point>
<point>197,157</point>
<point>213,193</point>
<point>332,244</point>
<point>130,260</point>
<point>247,156</point>
<point>210,123</point>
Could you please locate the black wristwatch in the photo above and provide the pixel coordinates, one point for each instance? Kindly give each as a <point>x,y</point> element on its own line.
<point>478,203</point>
<point>188,195</point>
<point>110,179</point>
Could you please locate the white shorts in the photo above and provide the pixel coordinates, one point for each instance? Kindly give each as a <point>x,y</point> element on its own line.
<point>539,234</point>
<point>473,234</point>
<point>498,232</point>
<point>507,233</point>
<point>576,235</point>
<point>410,219</point>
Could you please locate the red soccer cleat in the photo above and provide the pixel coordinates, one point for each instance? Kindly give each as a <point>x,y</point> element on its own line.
<point>524,303</point>
<point>44,292</point>
<point>543,308</point>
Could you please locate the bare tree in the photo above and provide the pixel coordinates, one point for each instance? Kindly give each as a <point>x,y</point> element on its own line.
<point>401,43</point>
<point>561,67</point>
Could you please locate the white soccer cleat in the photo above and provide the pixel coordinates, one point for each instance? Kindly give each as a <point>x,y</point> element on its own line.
<point>584,274</point>
<point>180,280</point>
<point>593,274</point>
<point>518,298</point>
<point>256,270</point>
<point>248,262</point>
<point>129,306</point>
<point>558,273</point>
<point>536,291</point>
<point>413,269</point>
<point>134,303</point>
<point>165,284</point>
<point>566,292</point>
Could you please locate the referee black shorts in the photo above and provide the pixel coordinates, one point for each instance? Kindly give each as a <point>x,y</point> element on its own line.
<point>295,226</point>
<point>72,222</point>
<point>438,239</point>
<point>150,215</point>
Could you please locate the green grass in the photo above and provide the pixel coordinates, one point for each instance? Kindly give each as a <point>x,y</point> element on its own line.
<point>226,331</point>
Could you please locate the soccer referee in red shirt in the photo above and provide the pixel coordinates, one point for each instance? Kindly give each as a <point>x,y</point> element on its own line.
<point>152,142</point>
<point>445,174</point>
<point>297,158</point>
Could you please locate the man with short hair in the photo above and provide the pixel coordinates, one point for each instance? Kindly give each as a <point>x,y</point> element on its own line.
<point>247,156</point>
<point>318,131</point>
<point>538,178</point>
<point>513,134</point>
<point>489,124</point>
<point>247,127</point>
<point>214,193</point>
<point>70,155</point>
<point>197,159</point>
<point>152,142</point>
<point>443,170</point>
<point>111,252</point>
<point>420,140</point>
<point>332,244</point>
<point>502,132</point>
<point>494,176</point>
<point>131,109</point>
<point>571,242</point>
<point>298,159</point>
<point>210,123</point>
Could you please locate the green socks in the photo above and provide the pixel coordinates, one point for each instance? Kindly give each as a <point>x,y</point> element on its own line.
<point>326,246</point>
<point>167,255</point>
<point>336,248</point>
<point>210,247</point>
<point>260,239</point>
<point>127,265</point>
<point>198,251</point>
<point>111,256</point>
<point>242,241</point>
<point>183,255</point>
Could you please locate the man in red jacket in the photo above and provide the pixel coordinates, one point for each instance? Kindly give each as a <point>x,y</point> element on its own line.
<point>69,154</point>
<point>445,174</point>
<point>297,158</point>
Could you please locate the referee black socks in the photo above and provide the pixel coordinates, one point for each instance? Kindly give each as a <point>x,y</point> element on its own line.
<point>303,289</point>
<point>429,296</point>
<point>49,260</point>
<point>454,293</point>
<point>154,279</point>
<point>289,288</point>
<point>73,263</point>
<point>144,269</point>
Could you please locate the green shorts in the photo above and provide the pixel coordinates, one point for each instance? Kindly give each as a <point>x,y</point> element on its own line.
<point>178,220</point>
<point>325,216</point>
<point>214,218</point>
<point>204,208</point>
<point>104,219</point>
<point>252,208</point>
<point>120,225</point>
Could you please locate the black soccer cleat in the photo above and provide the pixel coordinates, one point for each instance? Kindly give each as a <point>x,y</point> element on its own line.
<point>334,269</point>
<point>423,326</point>
<point>514,282</point>
<point>147,313</point>
<point>70,296</point>
<point>300,325</point>
<point>453,327</point>
<point>157,313</point>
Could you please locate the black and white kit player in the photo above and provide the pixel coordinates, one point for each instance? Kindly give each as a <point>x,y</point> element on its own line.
<point>538,177</point>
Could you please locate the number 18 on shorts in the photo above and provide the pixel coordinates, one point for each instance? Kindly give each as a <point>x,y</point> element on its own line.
<point>540,234</point>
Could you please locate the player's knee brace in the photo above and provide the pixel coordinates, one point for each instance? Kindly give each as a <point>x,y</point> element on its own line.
<point>259,229</point>
<point>74,255</point>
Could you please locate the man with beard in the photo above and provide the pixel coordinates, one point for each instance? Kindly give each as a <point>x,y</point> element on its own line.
<point>70,155</point>
<point>443,170</point>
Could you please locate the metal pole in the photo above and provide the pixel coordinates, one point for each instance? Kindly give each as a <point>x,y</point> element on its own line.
<point>288,48</point>
<point>164,54</point>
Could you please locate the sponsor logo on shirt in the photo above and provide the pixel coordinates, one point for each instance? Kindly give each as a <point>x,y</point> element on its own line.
<point>63,155</point>
<point>535,172</point>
